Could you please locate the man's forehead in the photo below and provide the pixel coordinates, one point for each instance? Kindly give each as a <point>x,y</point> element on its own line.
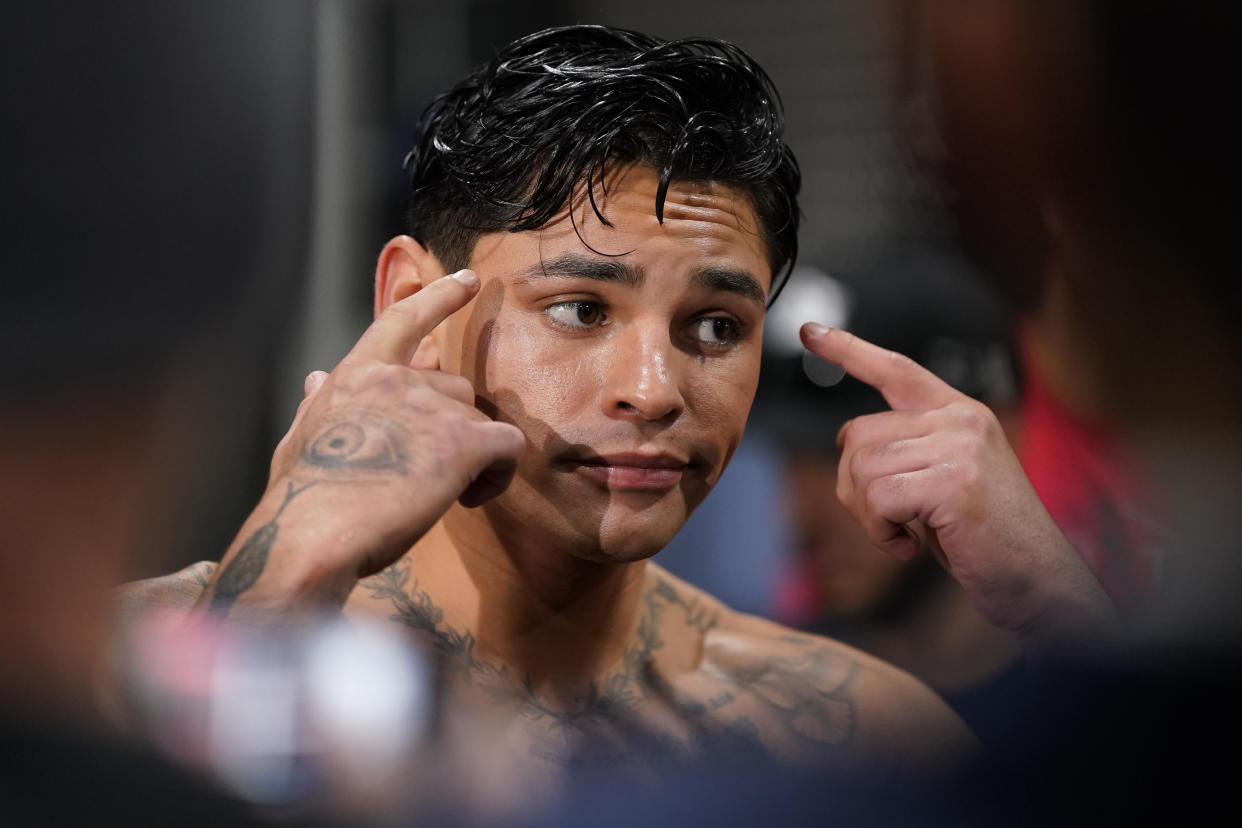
<point>684,199</point>
<point>711,225</point>
<point>717,217</point>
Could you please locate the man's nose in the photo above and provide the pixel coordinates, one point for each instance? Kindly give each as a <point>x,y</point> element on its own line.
<point>642,379</point>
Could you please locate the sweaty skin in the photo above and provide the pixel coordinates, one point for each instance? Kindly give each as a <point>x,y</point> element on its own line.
<point>627,355</point>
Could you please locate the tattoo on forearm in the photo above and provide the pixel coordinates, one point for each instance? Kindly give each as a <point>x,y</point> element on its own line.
<point>361,444</point>
<point>246,567</point>
<point>811,695</point>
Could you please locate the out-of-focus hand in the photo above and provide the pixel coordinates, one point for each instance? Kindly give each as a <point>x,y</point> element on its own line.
<point>377,452</point>
<point>937,469</point>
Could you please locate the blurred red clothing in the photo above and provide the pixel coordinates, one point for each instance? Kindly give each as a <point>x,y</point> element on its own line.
<point>1091,488</point>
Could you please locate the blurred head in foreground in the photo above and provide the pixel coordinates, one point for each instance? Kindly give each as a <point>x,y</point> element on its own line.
<point>1092,164</point>
<point>154,220</point>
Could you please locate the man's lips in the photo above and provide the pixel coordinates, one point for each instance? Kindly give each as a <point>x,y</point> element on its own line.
<point>635,471</point>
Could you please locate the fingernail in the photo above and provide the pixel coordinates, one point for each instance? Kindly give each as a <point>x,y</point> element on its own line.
<point>313,380</point>
<point>814,329</point>
<point>467,277</point>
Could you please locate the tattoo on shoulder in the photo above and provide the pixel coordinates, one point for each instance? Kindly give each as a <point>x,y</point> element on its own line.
<point>698,617</point>
<point>248,564</point>
<point>810,694</point>
<point>416,610</point>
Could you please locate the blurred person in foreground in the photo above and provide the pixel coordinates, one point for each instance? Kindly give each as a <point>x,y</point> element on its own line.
<point>1114,223</point>
<point>564,356</point>
<point>154,219</point>
<point>1071,446</point>
<point>1093,167</point>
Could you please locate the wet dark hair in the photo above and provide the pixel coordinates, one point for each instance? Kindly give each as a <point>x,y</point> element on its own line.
<point>507,146</point>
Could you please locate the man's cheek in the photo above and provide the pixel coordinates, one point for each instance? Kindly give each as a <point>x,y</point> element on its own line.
<point>722,402</point>
<point>720,410</point>
<point>554,384</point>
<point>545,402</point>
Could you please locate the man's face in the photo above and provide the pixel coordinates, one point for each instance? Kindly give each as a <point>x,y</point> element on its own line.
<point>628,355</point>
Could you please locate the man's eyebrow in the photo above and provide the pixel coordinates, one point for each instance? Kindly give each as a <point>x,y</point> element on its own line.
<point>733,281</point>
<point>575,266</point>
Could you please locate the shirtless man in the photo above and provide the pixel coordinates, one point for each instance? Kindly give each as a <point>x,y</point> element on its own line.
<point>564,355</point>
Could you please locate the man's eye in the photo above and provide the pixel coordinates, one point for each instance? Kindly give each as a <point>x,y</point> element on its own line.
<point>576,314</point>
<point>715,330</point>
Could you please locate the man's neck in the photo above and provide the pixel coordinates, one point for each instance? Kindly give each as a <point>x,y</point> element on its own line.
<point>555,620</point>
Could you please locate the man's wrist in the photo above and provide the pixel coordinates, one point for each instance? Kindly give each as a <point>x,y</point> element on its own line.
<point>283,562</point>
<point>297,586</point>
<point>1071,610</point>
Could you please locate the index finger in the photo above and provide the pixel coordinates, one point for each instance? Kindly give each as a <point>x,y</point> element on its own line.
<point>395,334</point>
<point>905,384</point>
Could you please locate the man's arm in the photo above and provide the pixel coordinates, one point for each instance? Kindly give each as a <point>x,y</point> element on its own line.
<point>377,452</point>
<point>937,469</point>
<point>178,591</point>
<point>816,700</point>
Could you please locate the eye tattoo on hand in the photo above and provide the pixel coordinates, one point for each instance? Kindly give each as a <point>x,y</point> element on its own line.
<point>357,446</point>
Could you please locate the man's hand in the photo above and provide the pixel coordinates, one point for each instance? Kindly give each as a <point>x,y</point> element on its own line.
<point>938,469</point>
<point>377,452</point>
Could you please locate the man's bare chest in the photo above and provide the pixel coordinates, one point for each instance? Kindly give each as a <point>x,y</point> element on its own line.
<point>656,704</point>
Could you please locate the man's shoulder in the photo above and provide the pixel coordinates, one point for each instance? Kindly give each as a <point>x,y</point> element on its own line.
<point>179,590</point>
<point>738,640</point>
<point>808,694</point>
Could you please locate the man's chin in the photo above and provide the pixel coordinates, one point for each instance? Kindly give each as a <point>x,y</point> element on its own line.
<point>626,537</point>
<point>619,534</point>
<point>618,554</point>
<point>590,522</point>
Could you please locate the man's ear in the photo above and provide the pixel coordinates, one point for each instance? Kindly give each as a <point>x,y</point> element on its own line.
<point>404,268</point>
